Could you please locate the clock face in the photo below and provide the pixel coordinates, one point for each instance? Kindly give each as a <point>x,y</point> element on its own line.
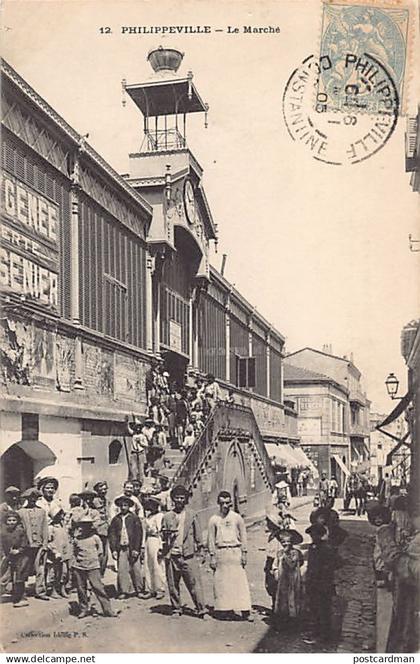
<point>189,201</point>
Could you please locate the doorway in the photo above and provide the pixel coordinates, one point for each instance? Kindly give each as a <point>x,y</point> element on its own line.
<point>176,366</point>
<point>16,468</point>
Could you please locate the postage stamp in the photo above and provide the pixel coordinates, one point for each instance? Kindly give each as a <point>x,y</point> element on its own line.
<point>381,32</point>
<point>339,137</point>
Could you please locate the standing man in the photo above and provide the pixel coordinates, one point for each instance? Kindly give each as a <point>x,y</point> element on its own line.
<point>126,543</point>
<point>227,543</point>
<point>35,524</point>
<point>102,505</point>
<point>48,487</point>
<point>212,391</point>
<point>138,450</point>
<point>182,541</point>
<point>324,487</point>
<point>128,492</point>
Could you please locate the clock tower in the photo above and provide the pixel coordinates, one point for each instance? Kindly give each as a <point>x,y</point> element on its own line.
<point>169,177</point>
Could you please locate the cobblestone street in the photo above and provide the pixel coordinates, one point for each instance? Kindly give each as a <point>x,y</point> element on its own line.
<point>148,626</point>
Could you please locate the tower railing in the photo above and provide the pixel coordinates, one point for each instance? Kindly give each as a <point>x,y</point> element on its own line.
<point>163,139</point>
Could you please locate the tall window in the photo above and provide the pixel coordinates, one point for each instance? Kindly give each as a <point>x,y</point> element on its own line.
<point>114,452</point>
<point>245,371</point>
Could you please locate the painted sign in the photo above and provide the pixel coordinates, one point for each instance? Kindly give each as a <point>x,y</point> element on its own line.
<point>29,253</point>
<point>309,403</point>
<point>126,378</point>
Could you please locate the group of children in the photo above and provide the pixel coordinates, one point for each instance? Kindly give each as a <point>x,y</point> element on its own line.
<point>302,587</point>
<point>67,550</point>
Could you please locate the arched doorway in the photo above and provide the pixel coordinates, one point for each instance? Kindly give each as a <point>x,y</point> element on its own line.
<point>234,478</point>
<point>17,468</point>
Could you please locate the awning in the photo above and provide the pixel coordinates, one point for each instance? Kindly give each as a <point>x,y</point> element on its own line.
<point>305,461</point>
<point>281,453</point>
<point>401,406</point>
<point>291,457</point>
<point>341,464</point>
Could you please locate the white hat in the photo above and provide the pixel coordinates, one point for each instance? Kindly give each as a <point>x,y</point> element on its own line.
<point>282,485</point>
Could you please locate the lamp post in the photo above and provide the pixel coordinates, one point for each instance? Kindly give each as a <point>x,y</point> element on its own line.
<point>392,384</point>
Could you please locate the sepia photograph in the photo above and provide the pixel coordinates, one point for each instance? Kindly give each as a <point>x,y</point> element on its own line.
<point>210,327</point>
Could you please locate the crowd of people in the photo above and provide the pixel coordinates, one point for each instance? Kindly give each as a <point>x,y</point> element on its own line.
<point>155,541</point>
<point>152,536</point>
<point>176,417</point>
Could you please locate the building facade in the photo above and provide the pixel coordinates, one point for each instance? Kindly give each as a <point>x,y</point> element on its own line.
<point>323,419</point>
<point>102,273</point>
<point>333,411</point>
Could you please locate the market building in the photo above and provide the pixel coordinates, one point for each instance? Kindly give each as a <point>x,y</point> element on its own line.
<point>103,273</point>
<point>333,411</point>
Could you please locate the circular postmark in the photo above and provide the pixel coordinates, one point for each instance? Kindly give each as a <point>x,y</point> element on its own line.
<point>341,124</point>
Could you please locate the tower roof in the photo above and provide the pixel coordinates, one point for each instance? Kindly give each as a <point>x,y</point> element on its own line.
<point>165,93</point>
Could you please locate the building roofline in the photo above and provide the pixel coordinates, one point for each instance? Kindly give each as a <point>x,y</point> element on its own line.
<point>315,378</point>
<point>248,307</point>
<point>71,134</point>
<point>321,352</point>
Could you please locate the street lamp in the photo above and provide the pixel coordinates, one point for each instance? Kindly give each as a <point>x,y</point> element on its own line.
<point>392,384</point>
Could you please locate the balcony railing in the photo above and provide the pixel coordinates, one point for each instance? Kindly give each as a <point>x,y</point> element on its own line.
<point>163,139</point>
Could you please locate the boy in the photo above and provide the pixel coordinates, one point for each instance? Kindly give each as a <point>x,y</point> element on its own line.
<point>14,562</point>
<point>59,552</point>
<point>386,549</point>
<point>125,542</point>
<point>320,589</point>
<point>87,550</point>
<point>35,523</point>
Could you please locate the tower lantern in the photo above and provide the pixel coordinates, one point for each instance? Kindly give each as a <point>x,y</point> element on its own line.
<point>165,100</point>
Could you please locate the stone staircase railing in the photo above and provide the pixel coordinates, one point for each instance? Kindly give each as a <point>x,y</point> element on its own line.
<point>225,420</point>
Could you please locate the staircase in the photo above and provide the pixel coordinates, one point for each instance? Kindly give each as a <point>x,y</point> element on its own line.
<point>175,458</point>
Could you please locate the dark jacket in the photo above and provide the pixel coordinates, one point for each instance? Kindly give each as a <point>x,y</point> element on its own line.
<point>18,562</point>
<point>322,561</point>
<point>14,539</point>
<point>192,540</point>
<point>134,532</point>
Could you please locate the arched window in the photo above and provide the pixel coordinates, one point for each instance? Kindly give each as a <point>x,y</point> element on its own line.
<point>114,452</point>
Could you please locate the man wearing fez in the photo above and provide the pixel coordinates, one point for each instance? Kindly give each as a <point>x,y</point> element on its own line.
<point>182,541</point>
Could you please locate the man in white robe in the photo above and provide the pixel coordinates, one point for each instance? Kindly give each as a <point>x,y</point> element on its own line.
<point>227,543</point>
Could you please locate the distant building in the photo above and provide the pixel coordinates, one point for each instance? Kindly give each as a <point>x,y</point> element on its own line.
<point>321,404</point>
<point>333,411</point>
<point>381,444</point>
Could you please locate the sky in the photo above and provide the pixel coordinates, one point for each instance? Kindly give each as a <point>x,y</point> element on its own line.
<point>322,251</point>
